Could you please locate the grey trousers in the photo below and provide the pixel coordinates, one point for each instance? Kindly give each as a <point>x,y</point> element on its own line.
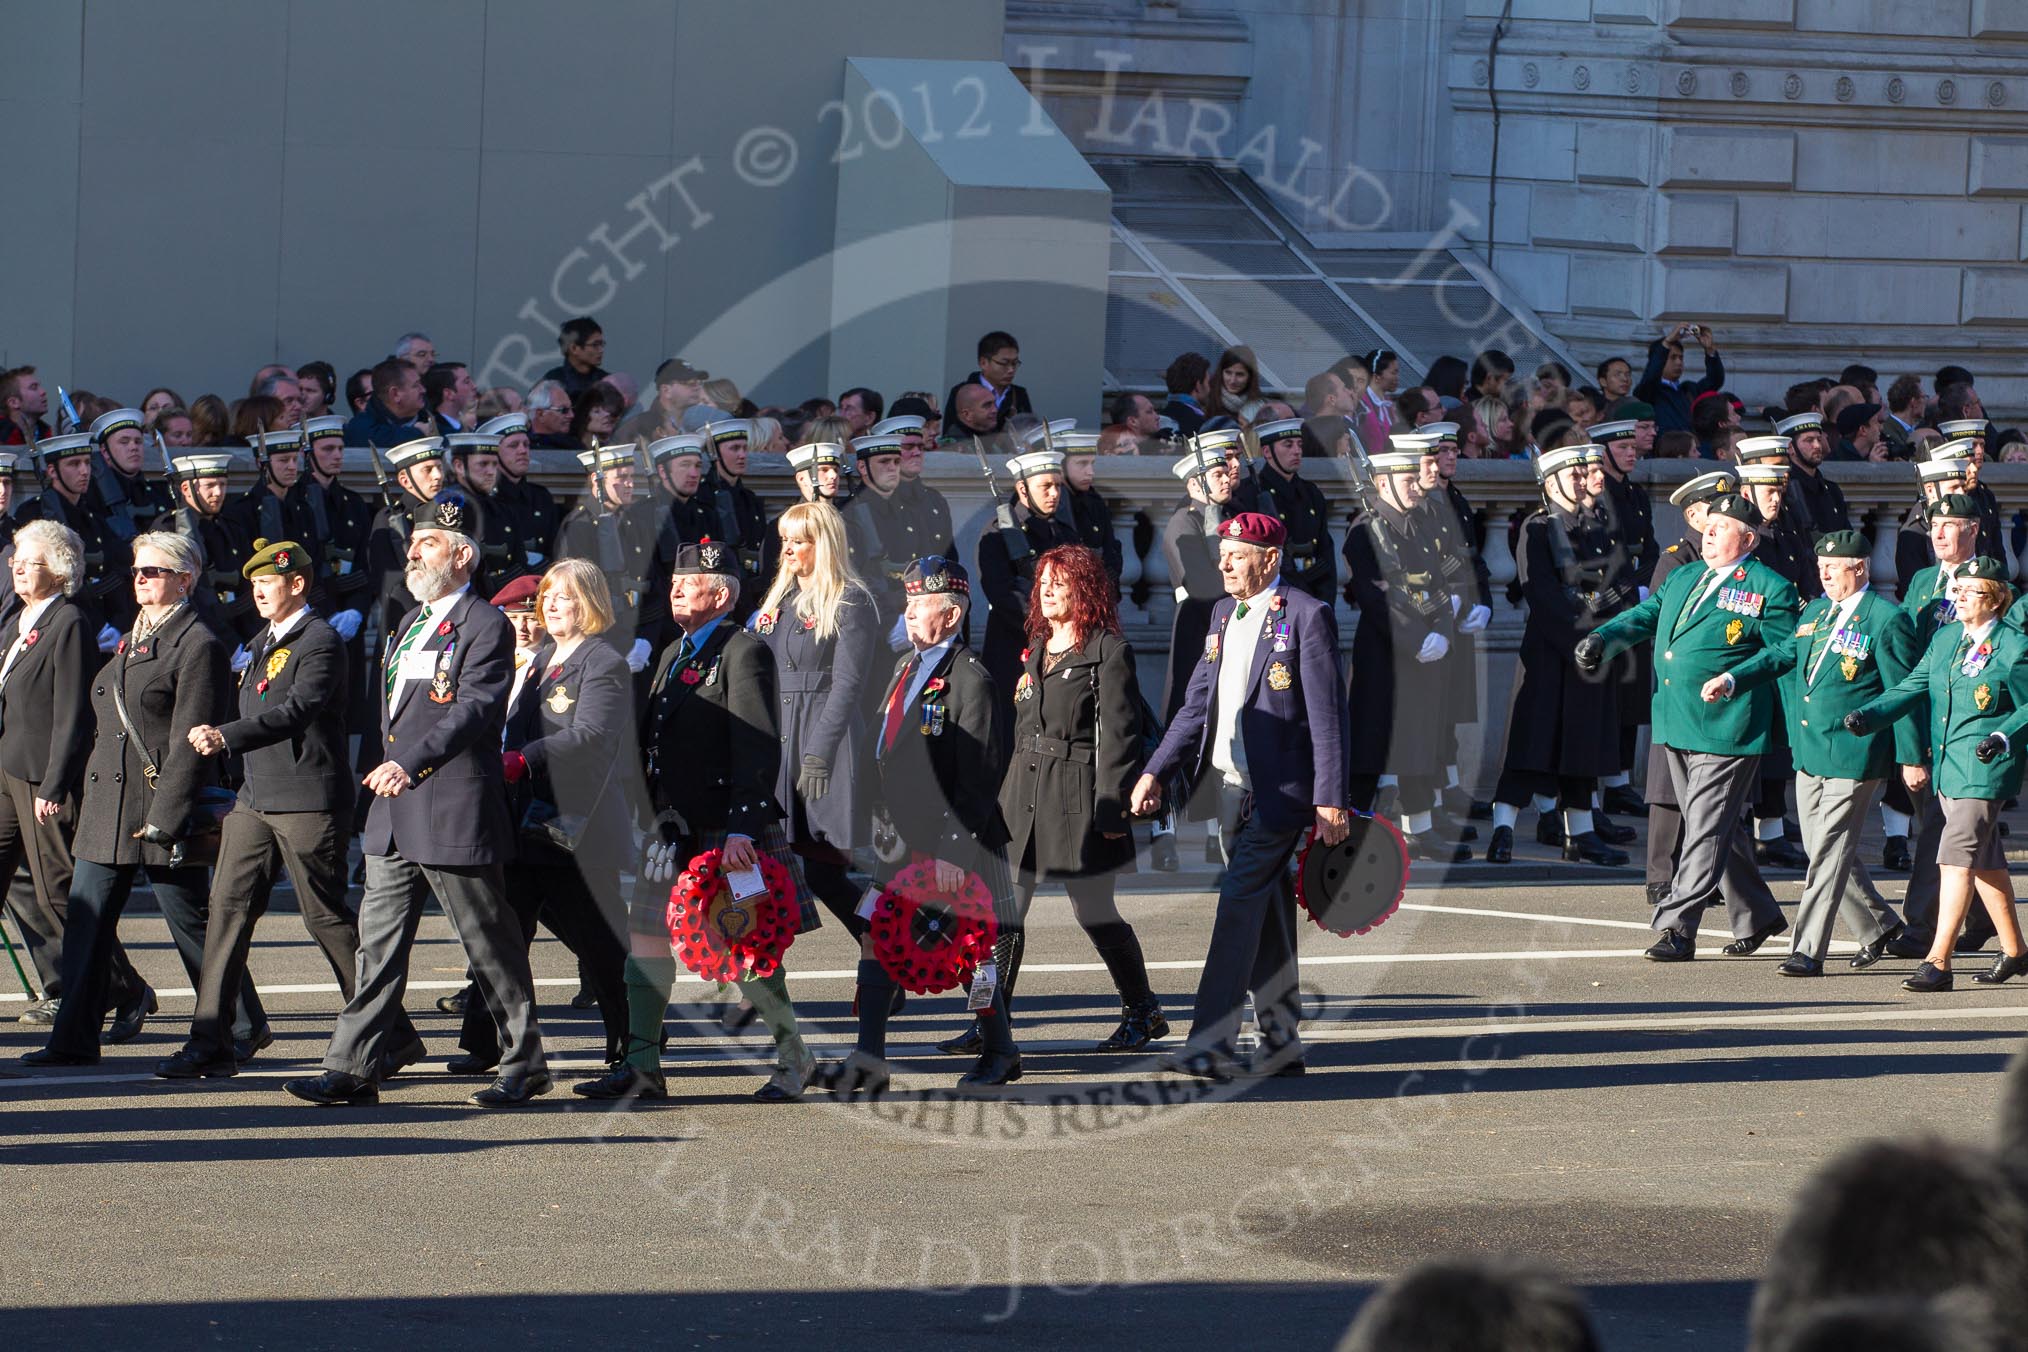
<point>1717,855</point>
<point>1833,814</point>
<point>1920,903</point>
<point>372,1026</point>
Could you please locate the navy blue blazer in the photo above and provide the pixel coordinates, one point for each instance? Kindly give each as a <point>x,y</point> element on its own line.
<point>446,732</point>
<point>1293,725</point>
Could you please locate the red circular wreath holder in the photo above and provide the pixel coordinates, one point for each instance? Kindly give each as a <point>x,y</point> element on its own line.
<point>721,940</point>
<point>929,940</point>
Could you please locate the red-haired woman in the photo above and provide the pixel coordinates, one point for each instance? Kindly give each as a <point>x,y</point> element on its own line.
<point>1077,751</point>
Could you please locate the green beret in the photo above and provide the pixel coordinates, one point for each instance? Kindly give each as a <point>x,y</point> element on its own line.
<point>1843,544</point>
<point>1958,506</point>
<point>1635,410</point>
<point>1738,508</point>
<point>284,557</point>
<point>1985,568</point>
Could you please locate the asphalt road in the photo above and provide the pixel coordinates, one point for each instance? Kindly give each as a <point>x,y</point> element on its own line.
<point>1493,1069</point>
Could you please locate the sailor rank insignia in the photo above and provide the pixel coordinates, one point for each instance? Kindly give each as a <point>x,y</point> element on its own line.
<point>1734,630</point>
<point>1983,697</point>
<point>559,700</point>
<point>1278,676</point>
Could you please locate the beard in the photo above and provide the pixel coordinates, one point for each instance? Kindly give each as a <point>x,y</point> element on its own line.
<point>426,584</point>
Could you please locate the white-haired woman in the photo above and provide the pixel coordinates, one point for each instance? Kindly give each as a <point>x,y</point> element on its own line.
<point>141,784</point>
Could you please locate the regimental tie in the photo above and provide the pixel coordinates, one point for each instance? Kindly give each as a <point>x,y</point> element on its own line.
<point>392,675</point>
<point>896,704</point>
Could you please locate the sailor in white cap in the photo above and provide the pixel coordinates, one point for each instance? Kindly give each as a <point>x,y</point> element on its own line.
<point>63,464</point>
<point>125,495</point>
<point>267,511</point>
<point>475,463</point>
<point>1090,514</point>
<point>1309,560</point>
<point>1028,528</point>
<point>1815,505</point>
<point>927,507</point>
<point>222,595</point>
<point>619,535</point>
<point>342,521</point>
<point>882,533</point>
<point>741,516</point>
<point>532,507</point>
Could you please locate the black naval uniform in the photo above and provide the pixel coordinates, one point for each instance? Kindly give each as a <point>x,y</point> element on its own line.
<point>223,597</point>
<point>741,520</point>
<point>107,591</point>
<point>932,514</point>
<point>1190,547</point>
<point>127,502</point>
<point>1814,505</point>
<point>1091,516</point>
<point>1454,526</point>
<point>1401,600</point>
<point>1007,582</point>
<point>262,514</point>
<point>1308,562</point>
<point>622,545</point>
<point>342,522</point>
<point>676,522</point>
<point>536,517</point>
<point>1630,518</point>
<point>884,538</point>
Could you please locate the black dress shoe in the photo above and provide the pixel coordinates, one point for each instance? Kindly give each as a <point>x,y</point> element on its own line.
<point>2004,968</point>
<point>625,1081</point>
<point>1140,1024</point>
<point>455,1002</point>
<point>509,1090</point>
<point>46,1056</point>
<point>470,1064</point>
<point>334,1087</point>
<point>1779,854</point>
<point>1548,829</point>
<point>1895,858</point>
<point>1799,965</point>
<point>1902,944</point>
<point>1500,849</point>
<point>1203,1064</point>
<point>1673,946</point>
<point>1740,948</point>
<point>194,1065</point>
<point>1610,831</point>
<point>127,1023</point>
<point>1426,845</point>
<point>1657,893</point>
<point>968,1043</point>
<point>994,1068</point>
<point>859,1075</point>
<point>1869,954</point>
<point>246,1049</point>
<point>1162,853</point>
<point>584,999</point>
<point>1587,848</point>
<point>1624,799</point>
<point>1928,979</point>
<point>1214,853</point>
<point>42,1011</point>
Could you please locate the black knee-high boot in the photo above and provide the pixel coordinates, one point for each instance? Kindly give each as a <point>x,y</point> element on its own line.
<point>876,998</point>
<point>1141,1020</point>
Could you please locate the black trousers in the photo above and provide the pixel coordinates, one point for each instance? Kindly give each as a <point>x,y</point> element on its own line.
<point>581,906</point>
<point>40,903</point>
<point>98,897</point>
<point>253,848</point>
<point>1253,942</point>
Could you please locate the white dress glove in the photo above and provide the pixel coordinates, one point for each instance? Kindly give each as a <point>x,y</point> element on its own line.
<point>240,657</point>
<point>1433,648</point>
<point>1477,618</point>
<point>637,656</point>
<point>1457,603</point>
<point>346,622</point>
<point>109,638</point>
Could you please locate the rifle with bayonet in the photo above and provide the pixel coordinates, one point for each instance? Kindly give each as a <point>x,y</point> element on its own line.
<point>1011,534</point>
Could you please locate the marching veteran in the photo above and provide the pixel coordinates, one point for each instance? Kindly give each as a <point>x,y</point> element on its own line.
<point>1705,620</point>
<point>1849,645</point>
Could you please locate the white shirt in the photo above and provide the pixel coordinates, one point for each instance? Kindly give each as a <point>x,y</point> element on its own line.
<point>31,614</point>
<point>1840,613</point>
<point>1974,637</point>
<point>433,615</point>
<point>1235,666</point>
<point>281,629</point>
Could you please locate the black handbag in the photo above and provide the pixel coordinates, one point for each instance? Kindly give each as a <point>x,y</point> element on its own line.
<point>546,826</point>
<point>197,843</point>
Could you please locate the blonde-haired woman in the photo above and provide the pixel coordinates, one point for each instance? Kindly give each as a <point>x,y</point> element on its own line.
<point>818,621</point>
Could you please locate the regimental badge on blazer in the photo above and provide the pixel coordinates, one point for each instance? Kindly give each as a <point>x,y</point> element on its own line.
<point>277,659</point>
<point>1983,697</point>
<point>1734,630</point>
<point>559,701</point>
<point>1025,687</point>
<point>441,690</point>
<point>1849,665</point>
<point>1278,676</point>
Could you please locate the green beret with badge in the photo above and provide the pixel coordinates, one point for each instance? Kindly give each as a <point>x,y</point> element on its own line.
<point>283,558</point>
<point>1843,544</point>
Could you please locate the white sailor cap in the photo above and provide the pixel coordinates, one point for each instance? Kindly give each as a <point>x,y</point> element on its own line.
<point>1442,431</point>
<point>7,462</point>
<point>903,425</point>
<point>1045,434</point>
<point>1593,453</point>
<point>828,453</point>
<point>1750,449</point>
<point>729,429</point>
<point>279,440</point>
<point>504,426</point>
<point>619,455</point>
<point>1193,462</point>
<point>672,448</point>
<point>113,420</point>
<point>1764,472</point>
<point>331,425</point>
<point>1278,429</point>
<point>802,458</point>
<point>1705,487</point>
<point>874,443</point>
<point>200,466</point>
<point>1940,467</point>
<point>1404,452</point>
<point>1076,443</point>
<point>49,450</point>
<point>1954,429</point>
<point>464,443</point>
<point>1563,457</point>
<point>415,452</point>
<point>1607,432</point>
<point>1798,423</point>
<point>1033,464</point>
<point>1218,439</point>
<point>1960,449</point>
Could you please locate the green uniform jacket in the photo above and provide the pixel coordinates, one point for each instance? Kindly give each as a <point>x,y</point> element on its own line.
<point>1929,604</point>
<point>1870,654</point>
<point>1963,709</point>
<point>1753,607</point>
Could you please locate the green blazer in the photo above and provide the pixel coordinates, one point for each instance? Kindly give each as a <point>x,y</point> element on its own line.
<point>1963,709</point>
<point>1870,654</point>
<point>1929,604</point>
<point>1755,606</point>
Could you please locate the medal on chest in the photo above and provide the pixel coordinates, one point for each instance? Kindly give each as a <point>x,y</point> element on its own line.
<point>1281,637</point>
<point>1740,601</point>
<point>441,689</point>
<point>1211,647</point>
<point>1976,662</point>
<point>559,700</point>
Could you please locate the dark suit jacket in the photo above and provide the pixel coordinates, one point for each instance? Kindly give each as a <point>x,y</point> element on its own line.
<point>574,721</point>
<point>45,705</point>
<point>940,786</point>
<point>290,733</point>
<point>1188,419</point>
<point>1294,738</point>
<point>1015,402</point>
<point>172,680</point>
<point>446,733</point>
<point>711,746</point>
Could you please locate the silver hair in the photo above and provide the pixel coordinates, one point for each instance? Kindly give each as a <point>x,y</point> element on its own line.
<point>181,551</point>
<point>404,344</point>
<point>62,550</point>
<point>458,539</point>
<point>541,388</point>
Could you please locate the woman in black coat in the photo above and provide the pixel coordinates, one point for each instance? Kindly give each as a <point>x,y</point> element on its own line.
<point>819,622</point>
<point>170,675</point>
<point>1076,755</point>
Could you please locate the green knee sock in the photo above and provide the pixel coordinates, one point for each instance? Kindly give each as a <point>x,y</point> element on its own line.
<point>770,996</point>
<point>649,981</point>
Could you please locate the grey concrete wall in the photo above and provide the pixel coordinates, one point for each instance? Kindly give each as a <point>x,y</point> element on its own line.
<point>204,186</point>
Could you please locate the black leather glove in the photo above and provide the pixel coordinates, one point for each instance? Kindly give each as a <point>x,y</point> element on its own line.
<point>1857,723</point>
<point>152,834</point>
<point>1590,653</point>
<point>814,780</point>
<point>1990,748</point>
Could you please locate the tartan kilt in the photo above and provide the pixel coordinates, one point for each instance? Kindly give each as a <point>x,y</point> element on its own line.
<point>649,912</point>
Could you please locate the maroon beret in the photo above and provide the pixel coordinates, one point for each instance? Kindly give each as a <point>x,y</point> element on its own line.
<point>1254,528</point>
<point>518,594</point>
